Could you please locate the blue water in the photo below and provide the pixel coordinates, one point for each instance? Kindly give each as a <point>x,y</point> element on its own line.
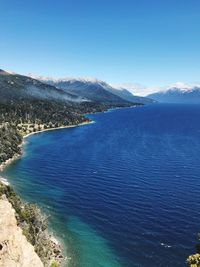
<point>121,192</point>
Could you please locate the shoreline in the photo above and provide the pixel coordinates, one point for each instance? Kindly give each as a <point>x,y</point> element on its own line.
<point>17,156</point>
<point>48,241</point>
<point>56,244</point>
<point>58,128</point>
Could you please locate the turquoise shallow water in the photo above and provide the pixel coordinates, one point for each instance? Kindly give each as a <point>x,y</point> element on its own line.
<point>122,192</point>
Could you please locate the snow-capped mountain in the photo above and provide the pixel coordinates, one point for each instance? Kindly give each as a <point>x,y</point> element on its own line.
<point>178,93</point>
<point>95,90</point>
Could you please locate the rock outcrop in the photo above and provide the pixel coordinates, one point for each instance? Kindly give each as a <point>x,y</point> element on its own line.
<point>15,250</point>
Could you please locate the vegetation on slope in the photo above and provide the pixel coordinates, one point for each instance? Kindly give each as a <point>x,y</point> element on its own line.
<point>194,260</point>
<point>96,91</point>
<point>16,87</point>
<point>10,141</point>
<point>21,118</point>
<point>26,106</point>
<point>34,227</point>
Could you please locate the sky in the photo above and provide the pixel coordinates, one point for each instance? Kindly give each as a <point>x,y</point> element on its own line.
<point>142,43</point>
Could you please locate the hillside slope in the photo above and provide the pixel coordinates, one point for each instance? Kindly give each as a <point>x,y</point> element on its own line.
<point>94,90</point>
<point>128,96</point>
<point>15,250</point>
<point>28,105</point>
<point>16,87</point>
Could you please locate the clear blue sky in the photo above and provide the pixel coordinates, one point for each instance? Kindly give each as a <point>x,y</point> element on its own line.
<point>152,42</point>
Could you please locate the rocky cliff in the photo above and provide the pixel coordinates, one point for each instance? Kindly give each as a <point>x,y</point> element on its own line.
<point>15,250</point>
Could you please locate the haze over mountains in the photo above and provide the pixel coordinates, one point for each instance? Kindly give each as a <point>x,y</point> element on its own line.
<point>95,90</point>
<point>100,91</point>
<point>16,87</point>
<point>76,90</point>
<point>28,105</point>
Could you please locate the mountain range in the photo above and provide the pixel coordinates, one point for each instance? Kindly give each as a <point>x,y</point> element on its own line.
<point>95,90</point>
<point>15,87</point>
<point>183,94</point>
<point>76,90</point>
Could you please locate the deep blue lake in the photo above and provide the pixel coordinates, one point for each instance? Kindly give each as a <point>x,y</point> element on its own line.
<point>121,192</point>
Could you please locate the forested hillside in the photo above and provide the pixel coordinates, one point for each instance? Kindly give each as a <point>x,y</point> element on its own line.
<point>28,105</point>
<point>20,118</point>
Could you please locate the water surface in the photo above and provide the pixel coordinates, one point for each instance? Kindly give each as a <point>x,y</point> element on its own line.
<point>122,192</point>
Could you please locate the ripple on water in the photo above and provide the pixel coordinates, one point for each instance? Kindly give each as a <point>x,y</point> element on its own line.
<point>123,191</point>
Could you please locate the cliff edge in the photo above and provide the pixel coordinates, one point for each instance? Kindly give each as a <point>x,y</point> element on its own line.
<point>15,250</point>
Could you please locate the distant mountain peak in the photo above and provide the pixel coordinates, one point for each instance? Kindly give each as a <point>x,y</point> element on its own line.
<point>181,86</point>
<point>178,93</point>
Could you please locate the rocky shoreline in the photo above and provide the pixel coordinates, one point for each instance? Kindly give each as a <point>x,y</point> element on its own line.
<point>9,161</point>
<point>51,246</point>
<point>33,225</point>
<point>15,250</point>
